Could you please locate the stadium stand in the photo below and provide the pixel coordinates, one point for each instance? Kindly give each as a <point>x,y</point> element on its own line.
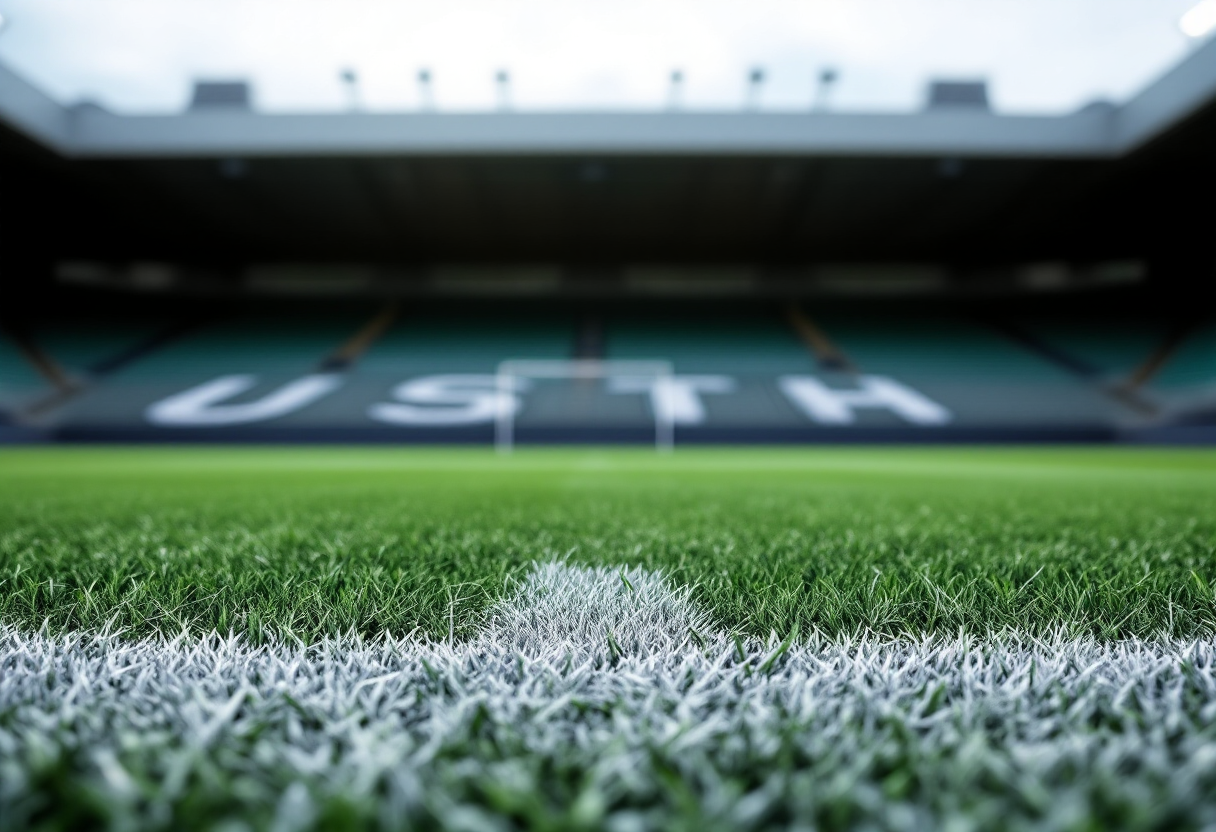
<point>1193,364</point>
<point>20,378</point>
<point>1109,349</point>
<point>229,274</point>
<point>747,342</point>
<point>989,378</point>
<point>750,371</point>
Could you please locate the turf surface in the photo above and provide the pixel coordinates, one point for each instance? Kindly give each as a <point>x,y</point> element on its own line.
<point>604,699</point>
<point>306,543</point>
<point>901,639</point>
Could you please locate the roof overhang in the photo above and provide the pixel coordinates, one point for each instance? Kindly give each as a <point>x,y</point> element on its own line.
<point>1099,132</point>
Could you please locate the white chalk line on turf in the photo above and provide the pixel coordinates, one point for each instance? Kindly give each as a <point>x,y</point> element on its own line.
<point>602,669</point>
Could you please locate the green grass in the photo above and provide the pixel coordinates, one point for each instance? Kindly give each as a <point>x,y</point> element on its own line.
<point>839,728</point>
<point>316,542</point>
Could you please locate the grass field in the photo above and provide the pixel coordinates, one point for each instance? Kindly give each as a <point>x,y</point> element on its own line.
<point>838,638</point>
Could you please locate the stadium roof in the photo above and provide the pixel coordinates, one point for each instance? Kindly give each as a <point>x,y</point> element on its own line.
<point>1095,132</point>
<point>1038,56</point>
<point>225,185</point>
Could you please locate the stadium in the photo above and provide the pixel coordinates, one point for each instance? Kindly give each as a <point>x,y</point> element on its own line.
<point>627,468</point>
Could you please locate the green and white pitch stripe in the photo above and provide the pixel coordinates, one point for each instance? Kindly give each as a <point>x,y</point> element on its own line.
<point>602,698</point>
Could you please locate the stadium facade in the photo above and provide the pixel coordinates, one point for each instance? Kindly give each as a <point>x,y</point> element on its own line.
<point>951,274</point>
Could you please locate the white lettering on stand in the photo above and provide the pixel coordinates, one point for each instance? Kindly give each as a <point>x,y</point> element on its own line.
<point>456,399</point>
<point>201,406</point>
<point>830,406</point>
<point>676,397</point>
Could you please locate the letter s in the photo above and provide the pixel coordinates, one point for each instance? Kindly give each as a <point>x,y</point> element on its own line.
<point>457,399</point>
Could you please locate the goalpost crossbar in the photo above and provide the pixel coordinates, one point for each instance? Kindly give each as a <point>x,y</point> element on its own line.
<point>550,368</point>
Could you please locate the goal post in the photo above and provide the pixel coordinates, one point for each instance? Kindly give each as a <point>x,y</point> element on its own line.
<point>513,370</point>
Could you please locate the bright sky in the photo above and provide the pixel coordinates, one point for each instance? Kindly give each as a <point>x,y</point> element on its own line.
<point>1038,55</point>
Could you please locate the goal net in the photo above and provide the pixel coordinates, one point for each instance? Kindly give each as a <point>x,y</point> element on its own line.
<point>517,376</point>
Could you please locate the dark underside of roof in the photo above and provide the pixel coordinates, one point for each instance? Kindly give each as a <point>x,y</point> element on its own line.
<point>1155,205</point>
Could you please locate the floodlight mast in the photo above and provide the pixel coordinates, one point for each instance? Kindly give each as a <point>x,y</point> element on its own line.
<point>502,80</point>
<point>675,97</point>
<point>350,80</point>
<point>827,80</point>
<point>517,368</point>
<point>755,85</point>
<point>426,94</point>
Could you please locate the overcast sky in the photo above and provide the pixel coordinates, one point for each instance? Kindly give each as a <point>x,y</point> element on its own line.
<point>1038,55</point>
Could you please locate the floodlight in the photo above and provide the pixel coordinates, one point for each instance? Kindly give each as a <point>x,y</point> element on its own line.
<point>677,87</point>
<point>755,80</point>
<point>1200,21</point>
<point>827,78</point>
<point>350,79</point>
<point>503,79</point>
<point>426,96</point>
